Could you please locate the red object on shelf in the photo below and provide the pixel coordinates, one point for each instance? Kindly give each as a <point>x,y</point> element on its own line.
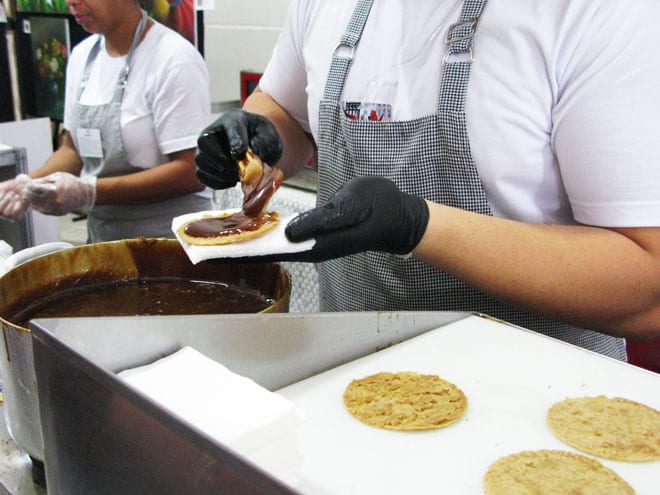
<point>249,81</point>
<point>645,354</point>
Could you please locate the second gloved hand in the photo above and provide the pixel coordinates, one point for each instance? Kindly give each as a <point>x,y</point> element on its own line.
<point>222,144</point>
<point>13,202</point>
<point>366,214</point>
<point>61,193</point>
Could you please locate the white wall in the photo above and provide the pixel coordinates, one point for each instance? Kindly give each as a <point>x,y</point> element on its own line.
<point>239,35</point>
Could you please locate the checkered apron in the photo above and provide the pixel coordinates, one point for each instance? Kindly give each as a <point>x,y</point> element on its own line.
<point>429,157</point>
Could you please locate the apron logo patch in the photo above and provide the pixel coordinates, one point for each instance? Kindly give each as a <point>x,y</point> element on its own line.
<point>375,112</point>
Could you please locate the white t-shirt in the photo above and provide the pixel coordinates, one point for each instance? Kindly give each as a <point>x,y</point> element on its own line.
<point>563,106</point>
<point>166,103</point>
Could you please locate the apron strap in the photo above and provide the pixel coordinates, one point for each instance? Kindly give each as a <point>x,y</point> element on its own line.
<point>123,74</point>
<point>459,57</point>
<point>342,58</point>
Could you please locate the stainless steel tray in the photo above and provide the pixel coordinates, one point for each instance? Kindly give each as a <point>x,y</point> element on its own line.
<point>101,436</point>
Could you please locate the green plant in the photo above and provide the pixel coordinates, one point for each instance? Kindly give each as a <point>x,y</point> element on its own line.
<point>51,59</point>
<point>46,6</point>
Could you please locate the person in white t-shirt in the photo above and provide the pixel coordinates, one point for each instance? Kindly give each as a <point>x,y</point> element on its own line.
<point>137,96</point>
<point>511,148</point>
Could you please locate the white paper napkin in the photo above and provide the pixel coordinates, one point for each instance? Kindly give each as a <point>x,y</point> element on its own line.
<point>232,409</point>
<point>271,242</point>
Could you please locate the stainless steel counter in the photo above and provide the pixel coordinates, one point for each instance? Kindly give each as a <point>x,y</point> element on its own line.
<point>511,377</point>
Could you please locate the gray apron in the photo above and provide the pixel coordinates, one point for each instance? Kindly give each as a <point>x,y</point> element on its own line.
<point>113,222</point>
<point>429,157</point>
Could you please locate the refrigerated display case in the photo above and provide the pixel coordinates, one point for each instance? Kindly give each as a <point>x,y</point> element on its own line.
<point>43,44</point>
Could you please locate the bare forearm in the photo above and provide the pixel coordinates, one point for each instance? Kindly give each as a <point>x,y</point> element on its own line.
<point>597,278</point>
<point>64,159</point>
<point>166,181</point>
<point>298,148</point>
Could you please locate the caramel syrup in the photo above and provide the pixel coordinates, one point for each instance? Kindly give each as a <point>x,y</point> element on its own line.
<point>230,225</point>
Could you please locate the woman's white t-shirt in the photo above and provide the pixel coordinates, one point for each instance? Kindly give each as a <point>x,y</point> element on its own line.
<point>166,103</point>
<point>563,105</point>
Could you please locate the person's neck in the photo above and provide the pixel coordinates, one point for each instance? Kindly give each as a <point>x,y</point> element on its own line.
<point>118,41</point>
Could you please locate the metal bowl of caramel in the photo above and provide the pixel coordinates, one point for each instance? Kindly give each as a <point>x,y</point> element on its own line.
<point>120,278</point>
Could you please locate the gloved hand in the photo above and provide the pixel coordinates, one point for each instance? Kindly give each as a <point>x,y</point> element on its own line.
<point>61,193</point>
<point>366,214</point>
<point>222,144</point>
<point>13,202</point>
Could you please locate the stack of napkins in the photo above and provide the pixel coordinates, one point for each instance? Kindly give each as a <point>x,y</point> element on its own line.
<point>236,411</point>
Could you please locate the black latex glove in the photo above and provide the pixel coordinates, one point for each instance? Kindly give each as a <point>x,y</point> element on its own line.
<point>366,214</point>
<point>222,144</point>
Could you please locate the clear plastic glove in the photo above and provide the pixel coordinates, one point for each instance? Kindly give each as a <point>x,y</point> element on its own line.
<point>13,201</point>
<point>222,144</point>
<point>366,214</point>
<point>61,193</point>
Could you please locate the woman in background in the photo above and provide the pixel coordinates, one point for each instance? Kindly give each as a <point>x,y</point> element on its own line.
<point>137,96</point>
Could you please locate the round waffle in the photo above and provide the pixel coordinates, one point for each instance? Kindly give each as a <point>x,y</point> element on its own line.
<point>552,472</point>
<point>226,228</point>
<point>405,401</point>
<point>613,428</point>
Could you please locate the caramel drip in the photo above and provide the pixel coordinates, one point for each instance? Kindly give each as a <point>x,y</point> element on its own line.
<point>259,181</point>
